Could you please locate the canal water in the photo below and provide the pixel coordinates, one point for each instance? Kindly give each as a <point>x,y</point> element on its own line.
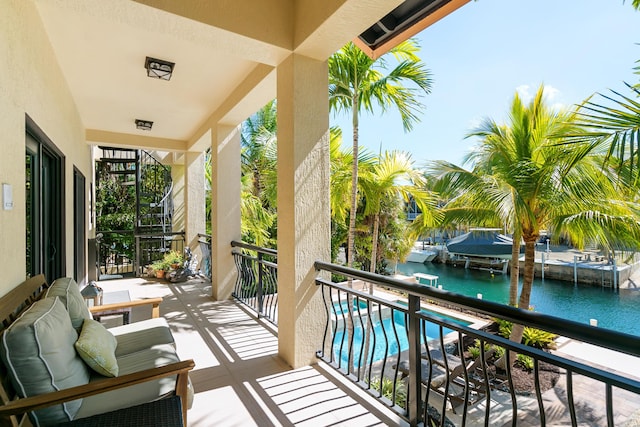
<point>617,310</point>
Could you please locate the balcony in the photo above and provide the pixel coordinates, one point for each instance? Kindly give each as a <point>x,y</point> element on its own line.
<point>240,380</point>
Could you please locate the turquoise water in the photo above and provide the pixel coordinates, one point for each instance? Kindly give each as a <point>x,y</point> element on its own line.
<point>617,310</point>
<point>391,329</point>
<point>342,307</point>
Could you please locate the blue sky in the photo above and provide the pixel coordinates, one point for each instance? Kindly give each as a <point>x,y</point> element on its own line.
<point>481,54</point>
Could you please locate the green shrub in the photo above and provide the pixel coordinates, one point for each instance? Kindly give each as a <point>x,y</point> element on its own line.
<point>530,336</point>
<point>387,390</point>
<point>499,351</point>
<point>525,362</point>
<point>474,350</point>
<point>538,338</point>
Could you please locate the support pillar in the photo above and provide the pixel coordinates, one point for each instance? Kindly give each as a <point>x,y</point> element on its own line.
<point>303,204</point>
<point>194,201</point>
<point>225,208</point>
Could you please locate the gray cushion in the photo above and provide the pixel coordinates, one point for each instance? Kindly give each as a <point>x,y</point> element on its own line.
<point>142,335</point>
<point>69,293</point>
<point>153,357</point>
<point>38,351</point>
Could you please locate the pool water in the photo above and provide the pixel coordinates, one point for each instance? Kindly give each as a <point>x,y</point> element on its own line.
<point>396,332</point>
<point>618,310</point>
<point>341,308</point>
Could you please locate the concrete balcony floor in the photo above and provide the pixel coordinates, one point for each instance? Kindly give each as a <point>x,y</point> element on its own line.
<point>239,379</point>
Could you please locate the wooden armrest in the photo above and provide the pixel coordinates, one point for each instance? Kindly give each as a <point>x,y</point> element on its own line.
<point>28,404</point>
<point>154,302</point>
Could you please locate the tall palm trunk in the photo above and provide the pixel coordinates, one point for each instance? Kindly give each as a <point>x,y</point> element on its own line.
<point>374,245</point>
<point>352,222</point>
<point>527,284</point>
<point>515,269</point>
<point>374,254</point>
<point>354,186</point>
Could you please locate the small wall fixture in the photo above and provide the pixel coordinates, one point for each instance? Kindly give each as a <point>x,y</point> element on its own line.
<point>159,69</point>
<point>144,124</point>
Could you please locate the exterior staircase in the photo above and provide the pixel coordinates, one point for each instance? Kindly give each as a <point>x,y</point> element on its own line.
<point>144,214</point>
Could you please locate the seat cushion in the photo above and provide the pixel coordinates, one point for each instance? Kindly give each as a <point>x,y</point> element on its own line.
<point>69,293</point>
<point>38,351</point>
<point>97,347</point>
<point>141,335</point>
<point>137,394</point>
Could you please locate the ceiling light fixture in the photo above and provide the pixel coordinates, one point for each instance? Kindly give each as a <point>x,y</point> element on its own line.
<point>144,124</point>
<point>159,69</point>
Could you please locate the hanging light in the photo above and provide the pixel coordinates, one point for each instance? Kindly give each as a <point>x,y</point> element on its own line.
<point>144,124</point>
<point>159,69</point>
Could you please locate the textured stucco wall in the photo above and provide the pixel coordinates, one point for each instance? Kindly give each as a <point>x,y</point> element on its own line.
<point>303,204</point>
<point>32,84</point>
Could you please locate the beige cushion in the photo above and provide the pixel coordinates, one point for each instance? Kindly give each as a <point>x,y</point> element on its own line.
<point>38,351</point>
<point>67,290</point>
<point>142,335</point>
<point>97,347</point>
<point>153,357</point>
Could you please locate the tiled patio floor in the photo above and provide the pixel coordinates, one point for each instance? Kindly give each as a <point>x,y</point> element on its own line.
<point>239,380</point>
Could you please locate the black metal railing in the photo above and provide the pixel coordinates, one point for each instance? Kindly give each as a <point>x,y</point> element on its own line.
<point>423,364</point>
<point>153,247</point>
<point>204,240</point>
<point>115,253</point>
<point>257,282</point>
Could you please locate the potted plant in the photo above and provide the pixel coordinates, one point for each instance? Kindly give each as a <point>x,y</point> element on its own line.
<point>160,267</point>
<point>173,259</point>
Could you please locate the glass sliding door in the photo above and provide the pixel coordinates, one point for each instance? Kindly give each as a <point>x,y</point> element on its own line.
<point>45,206</point>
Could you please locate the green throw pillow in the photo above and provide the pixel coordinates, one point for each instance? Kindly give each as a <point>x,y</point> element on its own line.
<point>97,347</point>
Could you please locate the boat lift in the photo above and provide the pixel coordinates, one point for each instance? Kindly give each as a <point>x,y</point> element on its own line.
<point>433,280</point>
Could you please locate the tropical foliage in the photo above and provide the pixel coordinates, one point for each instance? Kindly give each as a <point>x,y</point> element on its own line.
<point>357,82</point>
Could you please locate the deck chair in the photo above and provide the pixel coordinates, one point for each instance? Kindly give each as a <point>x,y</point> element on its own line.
<point>448,379</point>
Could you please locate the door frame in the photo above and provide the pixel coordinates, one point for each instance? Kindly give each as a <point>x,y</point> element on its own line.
<point>39,145</point>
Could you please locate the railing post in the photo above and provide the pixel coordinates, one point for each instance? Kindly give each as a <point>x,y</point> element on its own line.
<point>137,263</point>
<point>415,365</point>
<point>260,293</point>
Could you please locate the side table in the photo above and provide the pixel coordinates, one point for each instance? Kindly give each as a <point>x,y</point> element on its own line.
<point>114,298</point>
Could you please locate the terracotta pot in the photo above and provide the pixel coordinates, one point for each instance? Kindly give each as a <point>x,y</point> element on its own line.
<point>160,274</point>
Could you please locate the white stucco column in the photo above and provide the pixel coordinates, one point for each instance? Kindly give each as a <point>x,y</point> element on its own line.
<point>194,200</point>
<point>225,207</point>
<point>178,194</point>
<point>303,204</point>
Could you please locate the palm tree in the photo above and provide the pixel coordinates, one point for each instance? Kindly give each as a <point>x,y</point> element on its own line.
<point>341,164</point>
<point>478,197</point>
<point>356,82</point>
<point>533,180</point>
<point>393,177</point>
<point>615,129</point>
<point>259,153</point>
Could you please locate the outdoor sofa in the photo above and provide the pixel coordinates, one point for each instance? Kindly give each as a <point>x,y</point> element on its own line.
<point>59,365</point>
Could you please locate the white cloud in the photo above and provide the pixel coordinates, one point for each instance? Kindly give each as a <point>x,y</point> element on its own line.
<point>552,96</point>
<point>525,93</point>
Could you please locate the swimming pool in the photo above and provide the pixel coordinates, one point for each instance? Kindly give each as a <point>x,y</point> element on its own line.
<point>393,327</point>
<point>341,308</point>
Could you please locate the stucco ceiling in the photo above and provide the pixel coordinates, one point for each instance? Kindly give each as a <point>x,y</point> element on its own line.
<point>225,55</point>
